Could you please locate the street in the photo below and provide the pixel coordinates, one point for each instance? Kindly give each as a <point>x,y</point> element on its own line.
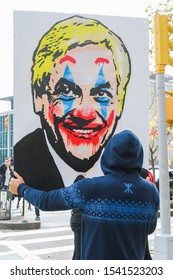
<point>53,241</point>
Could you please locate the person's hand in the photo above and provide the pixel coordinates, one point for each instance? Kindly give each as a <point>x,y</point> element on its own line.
<point>15,182</point>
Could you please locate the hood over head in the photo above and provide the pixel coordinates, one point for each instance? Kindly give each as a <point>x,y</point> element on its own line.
<point>123,151</point>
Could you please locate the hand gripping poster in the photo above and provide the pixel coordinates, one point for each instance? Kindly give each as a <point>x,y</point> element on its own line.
<point>78,80</point>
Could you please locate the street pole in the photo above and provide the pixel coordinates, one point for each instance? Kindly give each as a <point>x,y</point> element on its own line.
<point>25,203</point>
<point>163,242</point>
<point>7,127</point>
<point>163,158</point>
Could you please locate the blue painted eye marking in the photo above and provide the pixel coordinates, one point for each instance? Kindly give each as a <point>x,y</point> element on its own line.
<point>103,100</point>
<point>67,100</point>
<point>104,112</point>
<point>68,75</point>
<point>101,78</point>
<point>68,106</point>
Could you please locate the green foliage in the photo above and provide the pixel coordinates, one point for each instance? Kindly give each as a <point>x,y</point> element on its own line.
<point>165,8</point>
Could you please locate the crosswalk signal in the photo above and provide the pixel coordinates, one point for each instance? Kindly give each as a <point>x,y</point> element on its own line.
<point>163,44</point>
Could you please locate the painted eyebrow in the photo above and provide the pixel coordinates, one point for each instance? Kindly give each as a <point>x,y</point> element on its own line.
<point>63,81</point>
<point>67,58</point>
<point>101,60</point>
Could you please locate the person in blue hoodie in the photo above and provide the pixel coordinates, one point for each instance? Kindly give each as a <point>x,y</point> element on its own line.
<point>119,209</point>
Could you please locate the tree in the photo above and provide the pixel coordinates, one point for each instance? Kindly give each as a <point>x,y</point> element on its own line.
<point>163,8</point>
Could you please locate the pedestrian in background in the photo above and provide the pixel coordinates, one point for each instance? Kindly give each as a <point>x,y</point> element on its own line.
<point>37,214</point>
<point>6,172</point>
<point>37,211</point>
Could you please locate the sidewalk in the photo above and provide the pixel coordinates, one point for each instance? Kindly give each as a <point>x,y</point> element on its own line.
<point>157,231</point>
<point>17,221</point>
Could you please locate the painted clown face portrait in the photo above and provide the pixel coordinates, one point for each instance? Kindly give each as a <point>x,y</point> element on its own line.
<point>80,99</point>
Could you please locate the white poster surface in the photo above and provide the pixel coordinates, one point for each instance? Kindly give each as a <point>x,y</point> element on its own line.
<point>78,79</point>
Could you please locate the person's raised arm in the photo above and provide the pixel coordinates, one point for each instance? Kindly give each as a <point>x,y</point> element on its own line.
<point>47,201</point>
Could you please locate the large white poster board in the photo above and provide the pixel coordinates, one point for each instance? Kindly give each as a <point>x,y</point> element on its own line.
<point>80,79</point>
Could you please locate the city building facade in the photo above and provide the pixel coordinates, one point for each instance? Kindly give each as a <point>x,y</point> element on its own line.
<point>6,135</point>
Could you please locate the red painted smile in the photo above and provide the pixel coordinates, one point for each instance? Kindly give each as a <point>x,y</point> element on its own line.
<point>91,133</point>
<point>85,136</point>
<point>82,129</point>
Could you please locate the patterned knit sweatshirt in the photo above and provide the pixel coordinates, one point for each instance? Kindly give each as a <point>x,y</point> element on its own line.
<point>119,209</point>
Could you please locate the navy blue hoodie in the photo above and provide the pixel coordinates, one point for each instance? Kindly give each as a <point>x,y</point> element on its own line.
<point>119,209</point>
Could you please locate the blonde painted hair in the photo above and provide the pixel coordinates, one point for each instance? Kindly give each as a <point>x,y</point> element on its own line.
<point>70,33</point>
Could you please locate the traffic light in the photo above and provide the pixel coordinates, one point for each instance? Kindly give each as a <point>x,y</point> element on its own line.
<point>169,110</point>
<point>163,44</point>
<point>169,107</point>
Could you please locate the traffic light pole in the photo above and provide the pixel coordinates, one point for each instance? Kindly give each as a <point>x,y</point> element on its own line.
<point>163,242</point>
<point>163,158</point>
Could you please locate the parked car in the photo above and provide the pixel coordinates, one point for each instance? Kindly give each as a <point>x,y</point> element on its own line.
<point>170,179</point>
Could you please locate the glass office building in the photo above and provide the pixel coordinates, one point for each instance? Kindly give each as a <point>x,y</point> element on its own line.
<point>6,129</point>
<point>6,135</point>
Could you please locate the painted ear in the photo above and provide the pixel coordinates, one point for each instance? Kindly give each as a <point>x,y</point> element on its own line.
<point>37,103</point>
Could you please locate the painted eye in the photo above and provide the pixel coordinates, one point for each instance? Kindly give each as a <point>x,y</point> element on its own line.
<point>66,91</point>
<point>102,96</point>
<point>63,89</point>
<point>102,93</point>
